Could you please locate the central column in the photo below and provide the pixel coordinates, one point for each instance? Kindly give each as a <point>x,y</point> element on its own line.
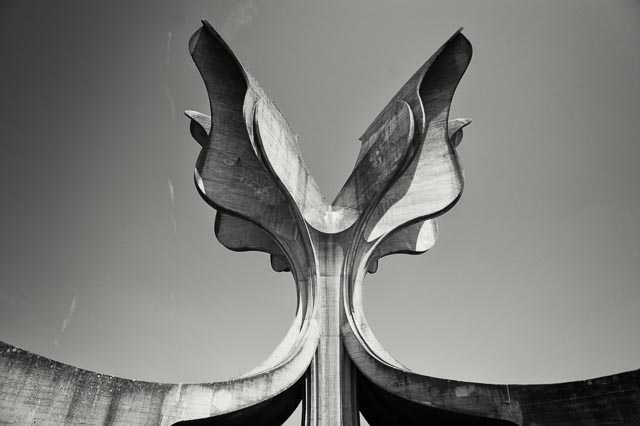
<point>330,398</point>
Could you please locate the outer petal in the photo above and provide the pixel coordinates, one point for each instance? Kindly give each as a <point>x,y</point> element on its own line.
<point>233,232</point>
<point>418,237</point>
<point>391,395</point>
<point>34,389</point>
<point>417,399</point>
<point>432,181</point>
<point>229,173</point>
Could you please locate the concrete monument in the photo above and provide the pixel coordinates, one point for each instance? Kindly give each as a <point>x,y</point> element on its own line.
<point>251,171</point>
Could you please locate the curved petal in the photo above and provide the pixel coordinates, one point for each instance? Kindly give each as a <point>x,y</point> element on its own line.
<point>381,156</point>
<point>233,232</point>
<point>353,300</point>
<point>423,395</point>
<point>37,389</point>
<point>415,238</point>
<point>387,394</point>
<point>402,391</point>
<point>279,144</point>
<point>410,93</point>
<point>272,412</point>
<point>284,349</point>
<point>432,181</point>
<point>229,172</point>
<point>381,408</point>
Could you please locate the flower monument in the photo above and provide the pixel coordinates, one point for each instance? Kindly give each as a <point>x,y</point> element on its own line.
<point>251,171</point>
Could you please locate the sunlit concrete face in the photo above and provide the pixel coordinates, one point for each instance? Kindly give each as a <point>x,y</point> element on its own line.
<point>538,260</point>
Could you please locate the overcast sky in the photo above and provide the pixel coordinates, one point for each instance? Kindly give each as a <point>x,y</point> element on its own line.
<point>108,257</point>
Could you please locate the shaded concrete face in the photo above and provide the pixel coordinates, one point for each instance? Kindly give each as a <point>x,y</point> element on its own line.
<point>37,390</point>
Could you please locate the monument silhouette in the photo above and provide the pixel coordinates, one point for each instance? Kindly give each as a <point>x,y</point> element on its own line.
<point>251,171</point>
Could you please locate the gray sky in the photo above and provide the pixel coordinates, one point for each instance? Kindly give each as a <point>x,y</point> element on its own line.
<point>108,257</point>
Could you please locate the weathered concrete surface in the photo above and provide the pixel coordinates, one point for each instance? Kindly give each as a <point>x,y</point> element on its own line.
<point>37,390</point>
<point>392,395</point>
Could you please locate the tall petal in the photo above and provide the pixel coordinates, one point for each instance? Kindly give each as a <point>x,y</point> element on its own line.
<point>432,181</point>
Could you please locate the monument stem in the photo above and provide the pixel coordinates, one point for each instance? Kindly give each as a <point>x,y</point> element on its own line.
<point>330,398</point>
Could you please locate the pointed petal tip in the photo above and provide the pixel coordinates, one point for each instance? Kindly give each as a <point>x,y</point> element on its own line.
<point>206,26</point>
<point>457,123</point>
<point>463,122</point>
<point>193,41</point>
<point>192,114</point>
<point>455,127</point>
